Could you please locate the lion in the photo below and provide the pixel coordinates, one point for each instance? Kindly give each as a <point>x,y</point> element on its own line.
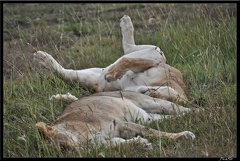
<point>112,118</point>
<point>142,69</point>
<point>136,89</point>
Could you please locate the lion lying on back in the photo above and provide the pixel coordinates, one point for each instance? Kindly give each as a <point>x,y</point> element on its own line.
<point>142,69</point>
<point>143,87</point>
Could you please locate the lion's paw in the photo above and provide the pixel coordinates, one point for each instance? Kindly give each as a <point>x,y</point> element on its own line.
<point>44,59</point>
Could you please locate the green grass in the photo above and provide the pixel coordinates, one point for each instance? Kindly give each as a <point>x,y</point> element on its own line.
<point>197,39</point>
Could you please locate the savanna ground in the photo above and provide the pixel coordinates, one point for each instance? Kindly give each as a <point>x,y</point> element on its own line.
<point>198,39</point>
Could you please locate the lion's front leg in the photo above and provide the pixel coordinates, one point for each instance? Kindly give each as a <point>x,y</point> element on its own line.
<point>118,69</point>
<point>114,72</point>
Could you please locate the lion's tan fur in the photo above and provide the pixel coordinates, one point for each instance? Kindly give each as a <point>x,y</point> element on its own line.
<point>145,86</point>
<point>102,117</point>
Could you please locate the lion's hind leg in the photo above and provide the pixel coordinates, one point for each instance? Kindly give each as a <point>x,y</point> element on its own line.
<point>133,129</point>
<point>87,77</point>
<point>117,140</point>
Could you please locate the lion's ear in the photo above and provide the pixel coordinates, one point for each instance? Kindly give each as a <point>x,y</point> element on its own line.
<point>47,131</point>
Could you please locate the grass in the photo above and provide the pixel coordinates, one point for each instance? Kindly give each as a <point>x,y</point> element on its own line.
<point>198,39</point>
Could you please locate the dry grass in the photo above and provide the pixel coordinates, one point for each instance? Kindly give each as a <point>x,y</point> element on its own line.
<point>198,39</point>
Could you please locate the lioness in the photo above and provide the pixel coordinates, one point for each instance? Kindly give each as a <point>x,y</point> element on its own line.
<point>142,69</point>
<point>109,117</point>
<point>112,118</point>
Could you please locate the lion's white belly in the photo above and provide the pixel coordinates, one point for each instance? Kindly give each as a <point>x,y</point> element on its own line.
<point>146,78</point>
